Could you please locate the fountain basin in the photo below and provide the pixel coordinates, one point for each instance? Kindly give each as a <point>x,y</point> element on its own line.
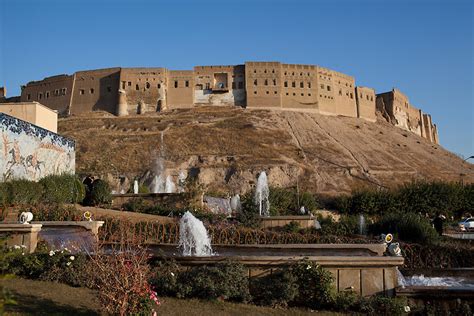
<point>360,268</point>
<point>92,226</point>
<point>25,235</point>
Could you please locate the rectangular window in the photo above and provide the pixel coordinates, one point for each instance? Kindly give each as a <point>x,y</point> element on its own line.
<point>47,94</point>
<point>129,83</point>
<point>123,84</point>
<point>329,88</point>
<point>159,86</point>
<point>92,91</point>
<point>286,84</point>
<point>301,84</point>
<point>40,96</point>
<point>208,86</point>
<point>81,91</point>
<point>309,85</point>
<point>293,84</point>
<point>175,83</point>
<point>186,83</point>
<point>137,87</point>
<point>28,96</point>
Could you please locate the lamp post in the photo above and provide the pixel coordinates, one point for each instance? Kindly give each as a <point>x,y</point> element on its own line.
<point>472,157</point>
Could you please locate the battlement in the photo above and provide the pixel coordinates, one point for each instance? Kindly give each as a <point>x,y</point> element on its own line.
<point>255,84</point>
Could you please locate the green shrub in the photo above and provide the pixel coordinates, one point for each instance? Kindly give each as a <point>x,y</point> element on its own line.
<point>62,189</point>
<point>408,227</point>
<point>315,289</point>
<point>79,193</point>
<point>227,280</point>
<point>249,216</point>
<point>380,305</point>
<point>373,202</point>
<point>347,225</point>
<point>165,277</point>
<point>23,192</point>
<point>100,194</point>
<point>276,289</point>
<point>135,205</point>
<point>345,301</point>
<point>291,227</point>
<point>58,266</point>
<point>56,212</point>
<point>284,201</point>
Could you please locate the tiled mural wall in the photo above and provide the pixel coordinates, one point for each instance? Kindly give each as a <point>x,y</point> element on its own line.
<point>30,152</point>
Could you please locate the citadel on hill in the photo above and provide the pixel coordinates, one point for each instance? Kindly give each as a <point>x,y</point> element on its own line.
<point>255,85</point>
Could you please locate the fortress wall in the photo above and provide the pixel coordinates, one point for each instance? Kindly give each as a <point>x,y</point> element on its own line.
<point>263,84</point>
<point>147,85</point>
<point>180,89</point>
<point>54,92</point>
<point>343,87</point>
<point>299,88</point>
<point>95,90</point>
<point>325,95</point>
<point>219,85</point>
<point>365,98</point>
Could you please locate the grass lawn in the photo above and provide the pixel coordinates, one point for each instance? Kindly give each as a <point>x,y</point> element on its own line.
<point>48,298</point>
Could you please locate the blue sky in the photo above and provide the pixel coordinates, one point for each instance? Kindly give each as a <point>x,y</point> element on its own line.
<point>422,47</point>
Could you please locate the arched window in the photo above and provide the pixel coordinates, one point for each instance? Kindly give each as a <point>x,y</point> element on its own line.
<point>274,82</point>
<point>286,84</point>
<point>255,82</point>
<point>147,85</point>
<point>301,84</point>
<point>266,82</point>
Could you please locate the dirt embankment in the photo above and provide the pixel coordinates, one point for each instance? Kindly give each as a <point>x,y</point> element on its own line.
<point>227,147</point>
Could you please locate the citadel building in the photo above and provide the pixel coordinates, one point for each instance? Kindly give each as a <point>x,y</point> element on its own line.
<point>257,85</point>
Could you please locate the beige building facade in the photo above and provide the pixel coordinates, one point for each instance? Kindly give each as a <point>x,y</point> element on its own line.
<point>254,85</point>
<point>32,112</point>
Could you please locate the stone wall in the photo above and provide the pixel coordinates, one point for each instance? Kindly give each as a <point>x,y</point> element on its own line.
<point>30,152</point>
<point>258,85</point>
<point>54,92</point>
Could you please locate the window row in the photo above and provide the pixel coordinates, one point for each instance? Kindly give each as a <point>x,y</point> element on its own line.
<point>369,98</point>
<point>287,93</point>
<point>137,86</point>
<point>91,90</point>
<point>301,74</point>
<point>264,71</point>
<point>46,95</point>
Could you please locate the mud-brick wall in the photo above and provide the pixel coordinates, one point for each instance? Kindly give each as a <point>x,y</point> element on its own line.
<point>30,152</point>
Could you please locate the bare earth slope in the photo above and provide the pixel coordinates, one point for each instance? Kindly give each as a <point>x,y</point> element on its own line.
<point>227,147</point>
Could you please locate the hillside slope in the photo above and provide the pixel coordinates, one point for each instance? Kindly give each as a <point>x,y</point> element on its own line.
<point>227,147</point>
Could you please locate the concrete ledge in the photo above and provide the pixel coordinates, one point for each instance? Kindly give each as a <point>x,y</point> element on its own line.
<point>11,227</point>
<point>93,226</point>
<point>22,235</point>
<point>325,261</point>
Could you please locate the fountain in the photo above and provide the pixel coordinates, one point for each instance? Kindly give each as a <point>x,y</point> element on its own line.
<point>193,238</point>
<point>170,187</point>
<point>235,204</point>
<point>162,182</point>
<point>362,226</point>
<point>261,195</point>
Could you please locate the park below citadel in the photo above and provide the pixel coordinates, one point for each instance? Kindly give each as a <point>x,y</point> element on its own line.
<point>299,209</point>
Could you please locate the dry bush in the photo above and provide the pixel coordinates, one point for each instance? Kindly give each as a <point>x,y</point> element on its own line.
<point>121,277</point>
